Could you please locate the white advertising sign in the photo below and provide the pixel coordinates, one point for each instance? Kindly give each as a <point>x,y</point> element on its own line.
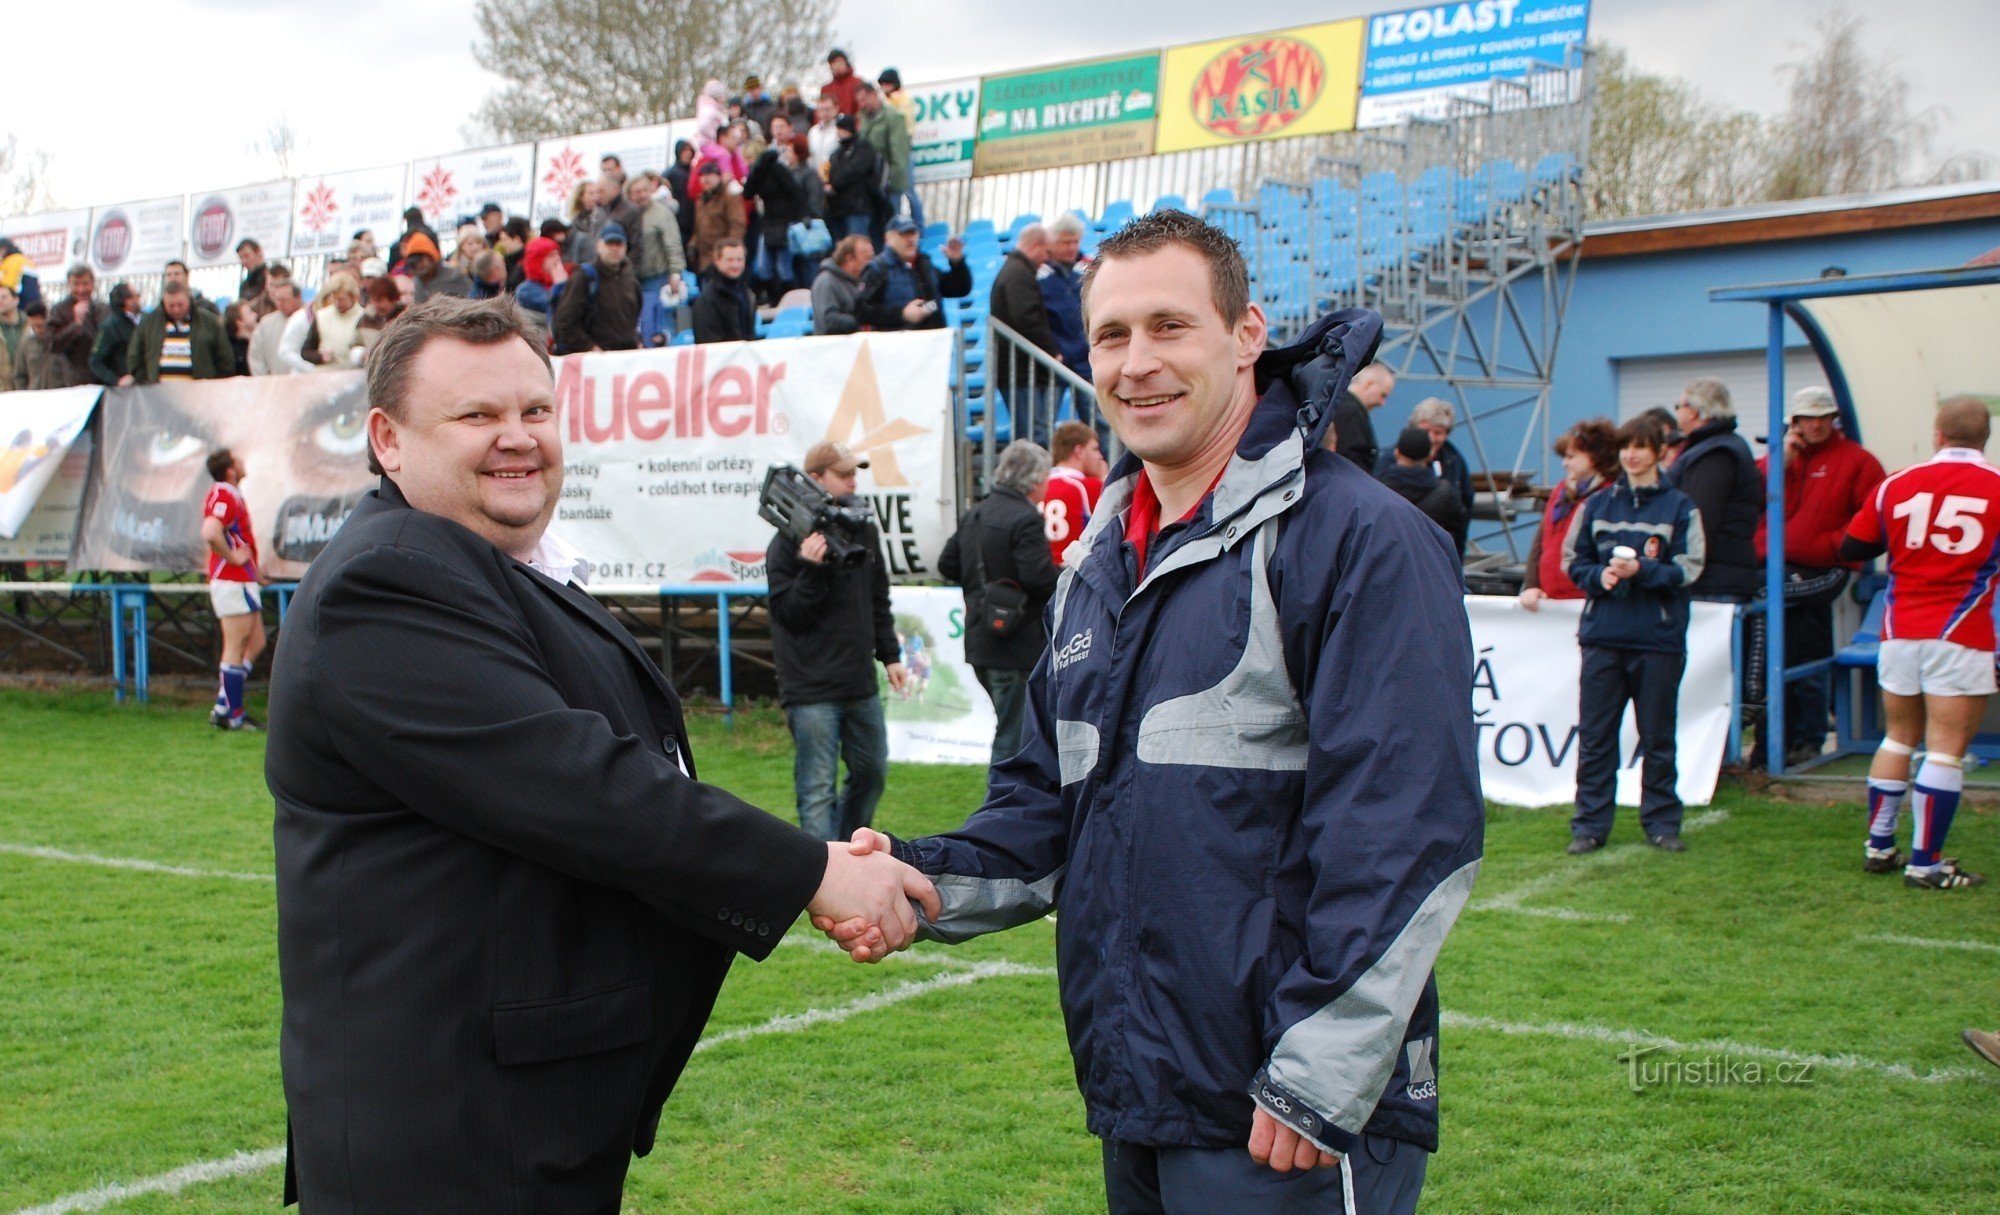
<point>137,237</point>
<point>943,716</point>
<point>1524,703</point>
<point>49,531</point>
<point>54,241</point>
<point>561,163</point>
<point>450,186</point>
<point>327,211</point>
<point>665,450</point>
<point>36,430</point>
<point>224,218</point>
<point>947,124</point>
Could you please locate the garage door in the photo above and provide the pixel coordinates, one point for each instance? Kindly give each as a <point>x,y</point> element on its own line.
<point>1644,383</point>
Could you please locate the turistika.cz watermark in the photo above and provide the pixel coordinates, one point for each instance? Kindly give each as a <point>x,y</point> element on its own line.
<point>1708,1071</point>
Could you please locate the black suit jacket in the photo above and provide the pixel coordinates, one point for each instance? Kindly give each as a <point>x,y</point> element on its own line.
<point>503,911</point>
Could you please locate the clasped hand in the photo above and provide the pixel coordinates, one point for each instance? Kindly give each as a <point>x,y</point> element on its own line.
<point>863,902</point>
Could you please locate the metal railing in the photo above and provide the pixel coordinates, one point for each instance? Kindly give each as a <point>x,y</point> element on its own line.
<point>1034,390</point>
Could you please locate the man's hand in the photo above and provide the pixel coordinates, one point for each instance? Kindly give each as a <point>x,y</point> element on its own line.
<point>847,933</point>
<point>899,676</point>
<point>814,548</point>
<point>1608,579</point>
<point>124,381</point>
<point>240,554</point>
<point>1624,567</point>
<point>915,311</point>
<point>1794,445</point>
<point>1281,1147</point>
<point>1531,598</point>
<point>954,248</point>
<point>874,890</point>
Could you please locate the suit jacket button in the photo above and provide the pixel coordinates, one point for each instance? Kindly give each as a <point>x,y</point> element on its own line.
<point>722,914</point>
<point>736,920</point>
<point>763,930</point>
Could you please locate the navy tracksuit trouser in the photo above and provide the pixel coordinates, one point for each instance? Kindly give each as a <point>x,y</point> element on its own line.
<point>1650,682</point>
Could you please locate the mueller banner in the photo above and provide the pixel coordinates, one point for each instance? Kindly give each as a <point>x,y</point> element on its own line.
<point>54,241</point>
<point>450,187</point>
<point>1080,113</point>
<point>1419,59</point>
<point>1524,702</point>
<point>303,443</point>
<point>562,163</point>
<point>222,219</point>
<point>941,142</point>
<point>328,211</point>
<point>943,716</point>
<point>665,450</point>
<point>137,237</point>
<point>1295,82</point>
<point>36,430</point>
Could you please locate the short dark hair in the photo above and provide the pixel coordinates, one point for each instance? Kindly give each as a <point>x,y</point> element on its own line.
<point>1642,431</point>
<point>487,322</point>
<point>171,289</point>
<point>731,243</point>
<point>1228,277</point>
<point>1067,438</point>
<point>219,461</point>
<point>176,262</point>
<point>277,270</point>
<point>612,157</point>
<point>38,308</point>
<point>1593,437</point>
<point>247,243</point>
<point>121,293</point>
<point>517,227</point>
<point>846,248</point>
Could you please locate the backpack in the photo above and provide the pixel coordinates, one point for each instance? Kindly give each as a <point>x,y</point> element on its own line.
<point>589,306</point>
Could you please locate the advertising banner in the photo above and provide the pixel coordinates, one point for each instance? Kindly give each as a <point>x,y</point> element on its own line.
<point>448,187</point>
<point>137,237</point>
<point>1419,58</point>
<point>328,211</point>
<point>561,163</point>
<point>1524,702</point>
<point>36,430</point>
<point>665,453</point>
<point>303,443</point>
<point>1294,82</point>
<point>947,125</point>
<point>944,717</point>
<point>222,218</point>
<point>53,241</point>
<point>1080,113</point>
<point>49,531</point>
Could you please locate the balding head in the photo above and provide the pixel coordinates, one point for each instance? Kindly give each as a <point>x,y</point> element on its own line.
<point>1964,422</point>
<point>1033,243</point>
<point>1372,384</point>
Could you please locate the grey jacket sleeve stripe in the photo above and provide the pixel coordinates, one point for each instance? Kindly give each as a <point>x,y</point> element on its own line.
<point>972,906</point>
<point>1694,555</point>
<point>1339,1059</point>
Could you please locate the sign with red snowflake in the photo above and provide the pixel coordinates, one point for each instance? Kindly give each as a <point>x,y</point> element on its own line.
<point>452,187</point>
<point>561,163</point>
<point>328,211</point>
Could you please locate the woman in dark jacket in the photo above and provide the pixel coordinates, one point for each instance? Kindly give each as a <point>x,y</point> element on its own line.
<point>774,184</point>
<point>1589,452</point>
<point>853,182</point>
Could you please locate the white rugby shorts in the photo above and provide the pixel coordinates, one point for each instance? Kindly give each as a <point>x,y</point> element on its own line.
<point>1932,667</point>
<point>231,598</point>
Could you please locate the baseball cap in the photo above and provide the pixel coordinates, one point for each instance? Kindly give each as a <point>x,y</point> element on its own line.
<point>612,232</point>
<point>1811,403</point>
<point>835,457</point>
<point>903,223</point>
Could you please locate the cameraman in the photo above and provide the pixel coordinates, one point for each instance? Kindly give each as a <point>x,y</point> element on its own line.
<point>830,624</point>
<point>1003,540</point>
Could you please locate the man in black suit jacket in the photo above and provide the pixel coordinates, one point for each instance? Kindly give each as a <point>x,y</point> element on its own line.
<point>505,904</point>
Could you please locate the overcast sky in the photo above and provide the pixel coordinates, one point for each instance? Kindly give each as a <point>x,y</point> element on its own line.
<point>158,97</point>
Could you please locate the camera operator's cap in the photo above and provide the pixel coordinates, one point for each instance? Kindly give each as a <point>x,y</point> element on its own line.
<point>1810,403</point>
<point>903,223</point>
<point>834,457</point>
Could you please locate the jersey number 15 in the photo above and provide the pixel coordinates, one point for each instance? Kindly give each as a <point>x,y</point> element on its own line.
<point>1958,529</point>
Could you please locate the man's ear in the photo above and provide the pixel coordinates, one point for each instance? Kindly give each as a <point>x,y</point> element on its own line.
<point>384,442</point>
<point>1253,333</point>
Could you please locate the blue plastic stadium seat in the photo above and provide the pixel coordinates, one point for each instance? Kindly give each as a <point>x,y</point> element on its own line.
<point>1221,194</point>
<point>1003,420</point>
<point>937,231</point>
<point>979,229</point>
<point>1021,222</point>
<point>1170,202</point>
<point>1116,213</point>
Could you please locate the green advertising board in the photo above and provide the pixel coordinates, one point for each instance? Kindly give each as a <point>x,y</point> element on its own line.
<point>1080,113</point>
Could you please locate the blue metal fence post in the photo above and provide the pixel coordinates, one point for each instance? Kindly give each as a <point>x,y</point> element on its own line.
<point>1773,730</point>
<point>725,662</point>
<point>128,623</point>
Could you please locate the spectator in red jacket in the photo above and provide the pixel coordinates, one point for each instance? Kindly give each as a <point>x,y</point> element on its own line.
<point>1589,452</point>
<point>844,84</point>
<point>1828,477</point>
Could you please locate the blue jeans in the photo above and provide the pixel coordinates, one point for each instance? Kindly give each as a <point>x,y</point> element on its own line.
<point>822,736</point>
<point>1008,690</point>
<point>655,318</point>
<point>907,203</point>
<point>849,225</point>
<point>1386,1176</point>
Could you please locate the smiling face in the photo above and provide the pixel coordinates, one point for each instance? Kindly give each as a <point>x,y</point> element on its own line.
<point>1638,460</point>
<point>1173,377</point>
<point>478,443</point>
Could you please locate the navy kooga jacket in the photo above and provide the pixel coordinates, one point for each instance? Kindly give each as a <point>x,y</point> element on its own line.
<point>1661,524</point>
<point>1249,783</point>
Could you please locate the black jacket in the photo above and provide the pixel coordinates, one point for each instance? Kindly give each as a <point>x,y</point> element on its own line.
<point>1004,535</point>
<point>855,174</point>
<point>1354,432</point>
<point>829,626</point>
<point>108,359</point>
<point>784,202</point>
<point>504,912</point>
<point>611,320</point>
<point>1431,494</point>
<point>1016,301</point>
<point>1716,469</point>
<point>887,280</point>
<point>723,312</point>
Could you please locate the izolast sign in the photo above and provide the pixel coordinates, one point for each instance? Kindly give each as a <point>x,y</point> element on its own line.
<point>1258,88</point>
<point>1441,21</point>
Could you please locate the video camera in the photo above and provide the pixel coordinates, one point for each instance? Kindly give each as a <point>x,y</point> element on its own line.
<point>796,505</point>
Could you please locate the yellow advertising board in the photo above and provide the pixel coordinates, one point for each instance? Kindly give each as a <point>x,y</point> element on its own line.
<point>1302,81</point>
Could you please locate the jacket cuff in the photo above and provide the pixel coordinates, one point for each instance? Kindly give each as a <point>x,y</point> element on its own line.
<point>1292,1110</point>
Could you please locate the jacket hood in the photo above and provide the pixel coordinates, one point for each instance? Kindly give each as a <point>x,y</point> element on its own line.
<point>1318,366</point>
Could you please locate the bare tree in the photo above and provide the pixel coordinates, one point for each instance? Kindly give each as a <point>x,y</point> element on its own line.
<point>24,180</point>
<point>281,143</point>
<point>582,65</point>
<point>1847,126</point>
<point>1657,146</point>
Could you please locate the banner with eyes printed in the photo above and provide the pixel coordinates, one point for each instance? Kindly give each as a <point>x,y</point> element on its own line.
<point>303,443</point>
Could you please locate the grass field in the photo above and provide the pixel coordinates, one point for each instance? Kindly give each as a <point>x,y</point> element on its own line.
<point>139,1008</point>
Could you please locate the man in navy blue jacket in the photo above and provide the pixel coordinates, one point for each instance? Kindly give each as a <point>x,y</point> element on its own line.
<point>1635,551</point>
<point>1246,773</point>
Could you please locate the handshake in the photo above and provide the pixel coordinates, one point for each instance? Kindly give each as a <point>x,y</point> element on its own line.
<point>864,903</point>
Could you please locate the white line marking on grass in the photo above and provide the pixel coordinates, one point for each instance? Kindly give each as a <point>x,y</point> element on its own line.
<point>121,862</point>
<point>1511,900</point>
<point>786,1023</point>
<point>1890,938</point>
<point>240,1165</point>
<point>1718,1046</point>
